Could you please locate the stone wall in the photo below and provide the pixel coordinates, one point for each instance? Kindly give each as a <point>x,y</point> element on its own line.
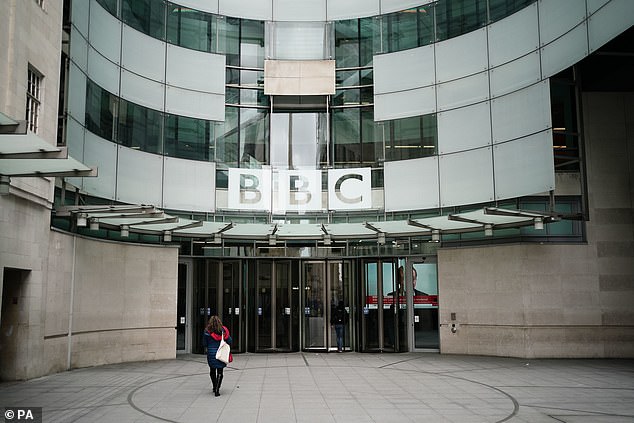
<point>556,300</point>
<point>117,300</point>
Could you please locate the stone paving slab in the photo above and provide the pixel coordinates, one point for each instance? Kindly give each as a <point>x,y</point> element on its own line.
<point>334,388</point>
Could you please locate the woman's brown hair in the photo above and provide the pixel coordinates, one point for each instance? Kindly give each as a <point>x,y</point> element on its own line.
<point>214,325</point>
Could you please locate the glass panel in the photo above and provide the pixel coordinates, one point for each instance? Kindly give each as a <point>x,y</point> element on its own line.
<point>345,135</point>
<point>401,29</point>
<point>231,301</point>
<point>283,306</point>
<point>188,138</point>
<point>314,312</point>
<point>347,43</point>
<point>457,17</point>
<point>370,307</point>
<point>254,149</point>
<point>405,139</point>
<point>140,127</point>
<point>371,138</point>
<point>205,303</point>
<point>425,291</point>
<point>191,28</point>
<point>300,40</point>
<point>264,304</point>
<point>401,310</point>
<point>563,227</point>
<point>252,44</point>
<point>304,140</point>
<point>426,25</point>
<point>253,96</point>
<point>340,286</point>
<point>390,312</point>
<point>101,107</point>
<point>369,40</point>
<point>499,9</point>
<point>349,78</point>
<point>564,121</point>
<point>227,138</point>
<point>109,5</point>
<point>147,16</point>
<point>230,41</point>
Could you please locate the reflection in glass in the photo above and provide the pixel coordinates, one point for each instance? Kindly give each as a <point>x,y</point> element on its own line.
<point>189,138</point>
<point>231,301</point>
<point>253,138</point>
<point>147,16</point>
<point>371,137</point>
<point>401,29</point>
<point>425,294</point>
<point>227,138</point>
<point>264,298</point>
<point>390,306</point>
<point>369,40</point>
<point>191,28</point>
<point>229,41</point>
<point>457,17</point>
<point>499,9</point>
<point>347,43</point>
<point>109,5</point>
<point>340,285</point>
<point>314,312</point>
<point>411,138</point>
<point>345,136</point>
<point>140,127</point>
<point>370,307</point>
<point>282,306</point>
<point>298,40</point>
<point>251,43</point>
<point>101,108</point>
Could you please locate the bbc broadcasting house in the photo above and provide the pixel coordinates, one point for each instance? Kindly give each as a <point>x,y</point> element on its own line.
<point>459,173</point>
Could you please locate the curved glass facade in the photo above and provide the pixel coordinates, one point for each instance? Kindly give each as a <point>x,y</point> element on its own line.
<point>351,136</point>
<point>191,85</point>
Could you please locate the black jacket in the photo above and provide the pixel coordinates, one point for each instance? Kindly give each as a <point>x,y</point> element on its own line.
<point>339,316</point>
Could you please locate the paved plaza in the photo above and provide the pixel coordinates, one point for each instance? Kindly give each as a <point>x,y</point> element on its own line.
<point>348,387</point>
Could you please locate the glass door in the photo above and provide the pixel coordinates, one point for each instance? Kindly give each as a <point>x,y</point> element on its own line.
<point>207,281</point>
<point>231,302</point>
<point>274,306</point>
<point>424,288</point>
<point>283,307</point>
<point>380,302</point>
<point>340,292</point>
<point>264,300</point>
<point>314,302</point>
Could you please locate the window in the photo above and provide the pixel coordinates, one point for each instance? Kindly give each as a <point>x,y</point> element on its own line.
<point>33,99</point>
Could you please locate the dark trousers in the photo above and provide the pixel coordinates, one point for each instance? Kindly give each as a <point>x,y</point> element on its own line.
<point>339,330</point>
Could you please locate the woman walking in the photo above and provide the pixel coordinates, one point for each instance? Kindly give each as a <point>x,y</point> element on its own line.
<point>213,333</point>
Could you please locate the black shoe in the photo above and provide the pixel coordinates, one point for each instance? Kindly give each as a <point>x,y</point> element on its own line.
<point>217,393</point>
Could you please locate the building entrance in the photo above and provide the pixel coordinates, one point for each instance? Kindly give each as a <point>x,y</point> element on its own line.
<point>326,284</point>
<point>286,304</point>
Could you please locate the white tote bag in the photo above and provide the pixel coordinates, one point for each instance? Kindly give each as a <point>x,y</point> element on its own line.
<point>223,350</point>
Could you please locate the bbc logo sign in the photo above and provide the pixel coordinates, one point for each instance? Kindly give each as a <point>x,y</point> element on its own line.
<point>298,190</point>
